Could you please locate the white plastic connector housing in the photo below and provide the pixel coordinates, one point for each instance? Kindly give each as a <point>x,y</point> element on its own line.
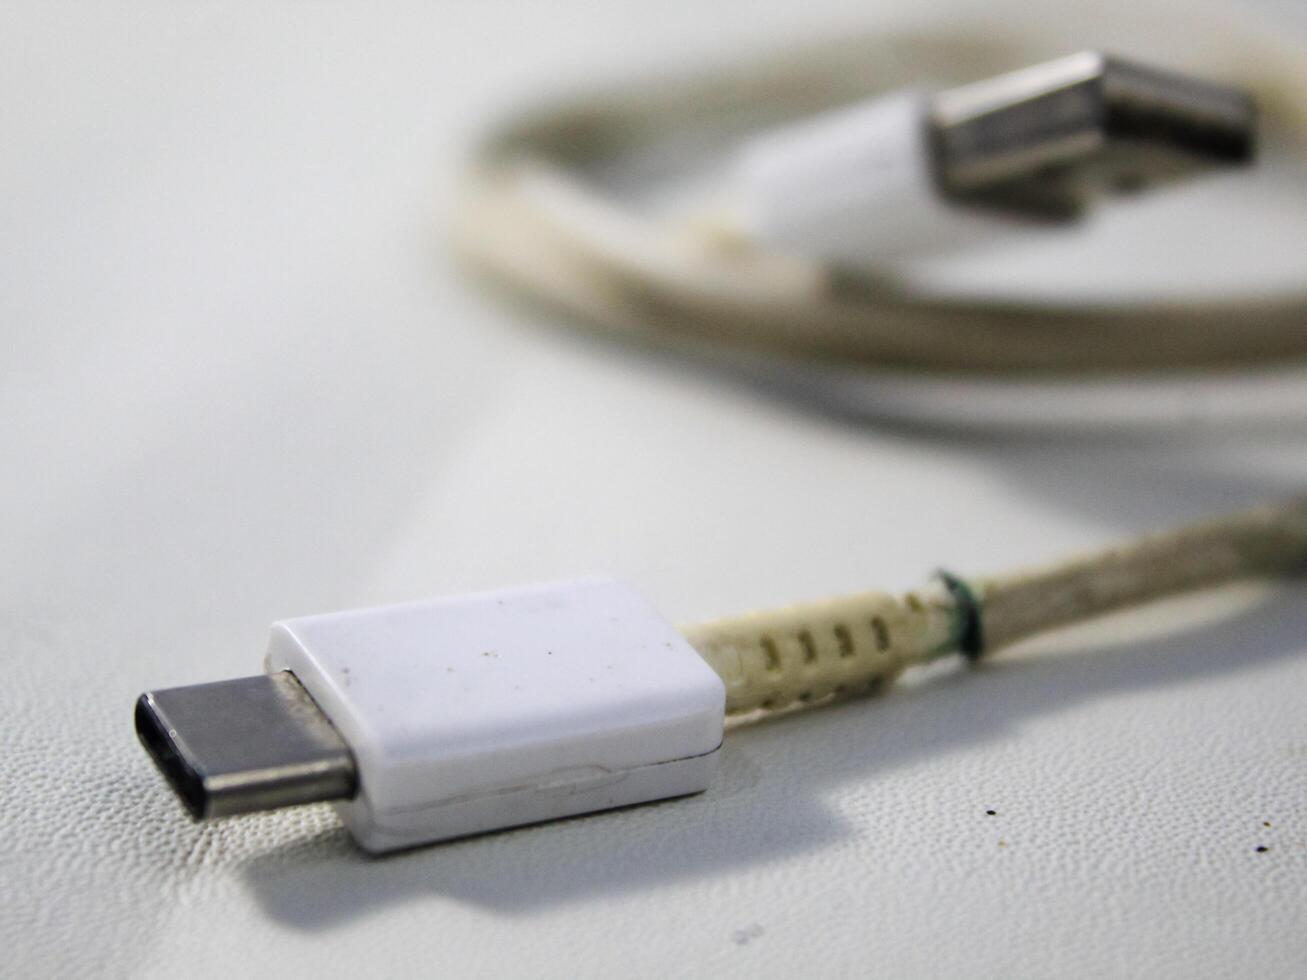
<point>856,187</point>
<point>478,712</point>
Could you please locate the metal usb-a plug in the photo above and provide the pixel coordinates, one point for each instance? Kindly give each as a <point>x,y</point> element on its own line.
<point>1045,141</point>
<point>255,743</point>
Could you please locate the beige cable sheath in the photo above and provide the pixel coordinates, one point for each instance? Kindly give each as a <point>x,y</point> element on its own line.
<point>808,653</point>
<point>1263,541</point>
<point>533,219</point>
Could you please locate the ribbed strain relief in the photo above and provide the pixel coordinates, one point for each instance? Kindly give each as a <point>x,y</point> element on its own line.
<point>811,652</point>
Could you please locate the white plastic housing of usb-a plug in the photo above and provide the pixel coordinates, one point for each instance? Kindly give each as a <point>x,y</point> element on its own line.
<point>478,712</point>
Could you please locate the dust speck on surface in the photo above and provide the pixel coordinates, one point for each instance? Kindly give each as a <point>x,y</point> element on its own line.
<point>742,937</point>
<point>1261,848</point>
<point>1266,823</point>
<point>991,813</point>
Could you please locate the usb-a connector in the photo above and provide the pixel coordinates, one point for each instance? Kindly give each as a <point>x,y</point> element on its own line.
<point>923,173</point>
<point>1049,139</point>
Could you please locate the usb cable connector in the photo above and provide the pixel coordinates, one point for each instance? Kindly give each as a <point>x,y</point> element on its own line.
<point>1048,140</point>
<point>433,720</point>
<point>915,173</point>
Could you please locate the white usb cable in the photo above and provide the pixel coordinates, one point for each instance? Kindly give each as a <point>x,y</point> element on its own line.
<point>433,720</point>
<point>778,247</point>
<point>438,719</point>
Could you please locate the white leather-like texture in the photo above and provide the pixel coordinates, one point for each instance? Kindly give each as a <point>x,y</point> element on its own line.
<point>242,382</point>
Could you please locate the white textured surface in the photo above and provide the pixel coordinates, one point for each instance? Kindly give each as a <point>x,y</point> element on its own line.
<point>240,382</point>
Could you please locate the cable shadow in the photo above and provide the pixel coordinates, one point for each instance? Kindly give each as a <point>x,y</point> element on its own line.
<point>766,803</point>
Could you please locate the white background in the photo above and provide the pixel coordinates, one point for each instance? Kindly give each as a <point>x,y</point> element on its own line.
<point>242,380</point>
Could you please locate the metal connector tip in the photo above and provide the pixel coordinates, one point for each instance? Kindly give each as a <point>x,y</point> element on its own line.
<point>1046,140</point>
<point>256,743</point>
